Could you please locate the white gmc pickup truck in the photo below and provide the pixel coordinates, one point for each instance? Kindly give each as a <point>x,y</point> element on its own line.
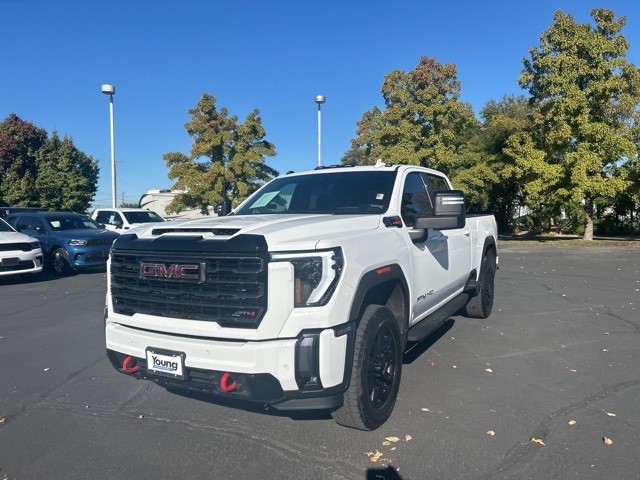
<point>306,295</point>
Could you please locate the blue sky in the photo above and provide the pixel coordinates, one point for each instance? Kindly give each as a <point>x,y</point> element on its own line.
<point>272,55</point>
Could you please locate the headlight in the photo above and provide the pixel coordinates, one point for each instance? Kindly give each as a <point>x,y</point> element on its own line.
<point>77,243</point>
<point>316,275</point>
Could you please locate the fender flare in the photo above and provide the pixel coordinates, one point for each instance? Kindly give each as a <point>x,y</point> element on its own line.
<point>489,244</point>
<point>370,280</point>
<point>375,278</point>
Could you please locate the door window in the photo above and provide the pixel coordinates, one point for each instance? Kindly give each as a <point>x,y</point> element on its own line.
<point>103,216</point>
<point>23,223</point>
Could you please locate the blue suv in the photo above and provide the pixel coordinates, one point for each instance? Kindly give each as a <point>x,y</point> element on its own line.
<point>70,241</point>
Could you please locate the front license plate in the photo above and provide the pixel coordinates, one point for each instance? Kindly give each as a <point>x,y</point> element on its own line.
<point>10,262</point>
<point>168,364</point>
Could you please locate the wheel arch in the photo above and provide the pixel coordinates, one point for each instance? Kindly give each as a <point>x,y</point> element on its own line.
<point>386,286</point>
<point>490,246</point>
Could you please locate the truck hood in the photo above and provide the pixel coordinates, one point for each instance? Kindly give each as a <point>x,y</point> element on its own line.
<point>282,232</point>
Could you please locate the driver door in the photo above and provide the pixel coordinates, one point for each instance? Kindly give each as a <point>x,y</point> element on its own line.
<point>428,248</point>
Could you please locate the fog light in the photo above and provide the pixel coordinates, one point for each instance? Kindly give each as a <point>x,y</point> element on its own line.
<point>307,362</point>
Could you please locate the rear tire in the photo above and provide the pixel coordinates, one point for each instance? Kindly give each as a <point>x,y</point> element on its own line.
<point>377,367</point>
<point>481,304</point>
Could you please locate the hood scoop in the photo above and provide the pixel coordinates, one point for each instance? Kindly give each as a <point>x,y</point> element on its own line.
<point>226,232</point>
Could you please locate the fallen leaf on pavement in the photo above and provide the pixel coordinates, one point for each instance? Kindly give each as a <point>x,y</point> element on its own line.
<point>488,370</point>
<point>610,414</point>
<point>46,369</point>
<point>537,440</point>
<point>140,416</point>
<point>2,420</point>
<point>392,439</point>
<point>607,441</point>
<point>374,456</point>
<point>385,443</point>
<point>407,438</point>
<point>425,409</point>
<point>571,422</point>
<point>491,433</point>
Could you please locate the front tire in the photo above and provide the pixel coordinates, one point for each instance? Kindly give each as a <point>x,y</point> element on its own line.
<point>377,367</point>
<point>59,262</point>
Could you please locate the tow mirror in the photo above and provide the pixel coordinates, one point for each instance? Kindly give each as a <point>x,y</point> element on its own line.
<point>449,211</point>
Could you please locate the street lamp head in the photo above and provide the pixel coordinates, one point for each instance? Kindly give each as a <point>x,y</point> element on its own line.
<point>320,99</point>
<point>108,89</point>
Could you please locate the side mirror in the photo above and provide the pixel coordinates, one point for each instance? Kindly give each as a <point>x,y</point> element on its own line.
<point>449,211</point>
<point>117,224</point>
<point>223,208</point>
<point>39,229</point>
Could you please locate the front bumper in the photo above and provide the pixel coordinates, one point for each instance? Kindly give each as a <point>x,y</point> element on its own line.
<point>19,262</point>
<point>270,372</point>
<point>88,256</point>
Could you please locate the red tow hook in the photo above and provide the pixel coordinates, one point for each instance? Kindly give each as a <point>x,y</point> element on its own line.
<point>225,386</point>
<point>129,365</point>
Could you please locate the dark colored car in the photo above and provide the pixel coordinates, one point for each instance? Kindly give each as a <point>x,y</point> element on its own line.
<point>6,211</point>
<point>70,241</point>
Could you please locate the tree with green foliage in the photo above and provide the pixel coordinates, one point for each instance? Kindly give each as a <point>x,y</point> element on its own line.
<point>19,143</point>
<point>226,161</point>
<point>46,172</point>
<point>501,120</point>
<point>67,178</point>
<point>584,96</point>
<point>425,123</point>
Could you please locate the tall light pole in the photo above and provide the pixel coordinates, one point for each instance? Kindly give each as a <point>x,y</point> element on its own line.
<point>111,90</point>
<point>320,100</point>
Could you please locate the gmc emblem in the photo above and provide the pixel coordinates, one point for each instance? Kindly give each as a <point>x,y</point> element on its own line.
<point>187,271</point>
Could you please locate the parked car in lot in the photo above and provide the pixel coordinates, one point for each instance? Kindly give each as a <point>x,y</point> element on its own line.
<point>19,253</point>
<point>6,211</point>
<point>124,218</point>
<point>70,241</point>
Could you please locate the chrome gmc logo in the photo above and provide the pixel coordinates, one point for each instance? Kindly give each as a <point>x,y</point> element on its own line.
<point>187,271</point>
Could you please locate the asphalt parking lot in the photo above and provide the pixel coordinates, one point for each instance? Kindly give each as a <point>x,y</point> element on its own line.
<point>547,388</point>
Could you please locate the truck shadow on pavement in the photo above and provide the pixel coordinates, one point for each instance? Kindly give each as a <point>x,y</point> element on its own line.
<point>415,349</point>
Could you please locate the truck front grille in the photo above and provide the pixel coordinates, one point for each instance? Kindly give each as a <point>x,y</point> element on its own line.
<point>229,289</point>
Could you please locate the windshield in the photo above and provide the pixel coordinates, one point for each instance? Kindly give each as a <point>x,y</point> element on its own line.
<point>4,227</point>
<point>75,222</point>
<point>337,193</point>
<point>142,217</point>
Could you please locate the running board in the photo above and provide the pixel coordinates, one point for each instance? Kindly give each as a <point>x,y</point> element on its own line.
<point>437,318</point>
